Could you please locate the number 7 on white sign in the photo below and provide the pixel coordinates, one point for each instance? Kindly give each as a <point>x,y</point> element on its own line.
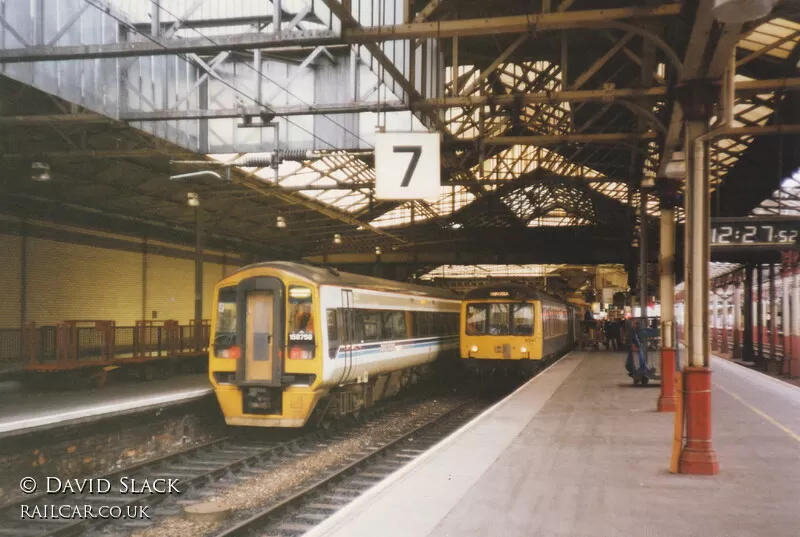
<point>416,151</point>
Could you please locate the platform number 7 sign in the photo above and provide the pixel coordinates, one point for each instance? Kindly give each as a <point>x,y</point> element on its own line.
<point>407,166</point>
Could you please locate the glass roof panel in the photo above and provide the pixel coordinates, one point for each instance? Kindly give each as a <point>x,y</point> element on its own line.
<point>769,33</point>
<point>490,271</point>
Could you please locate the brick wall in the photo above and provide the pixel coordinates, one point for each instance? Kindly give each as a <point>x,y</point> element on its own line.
<point>71,273</point>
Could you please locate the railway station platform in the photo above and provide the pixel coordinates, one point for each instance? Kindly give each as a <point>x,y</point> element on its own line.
<point>23,411</point>
<point>579,452</point>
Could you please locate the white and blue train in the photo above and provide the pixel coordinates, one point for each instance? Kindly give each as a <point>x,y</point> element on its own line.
<point>294,343</point>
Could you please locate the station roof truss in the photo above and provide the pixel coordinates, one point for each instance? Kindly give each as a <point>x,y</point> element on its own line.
<point>552,112</point>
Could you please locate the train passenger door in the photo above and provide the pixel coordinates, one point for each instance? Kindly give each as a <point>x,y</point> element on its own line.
<point>348,332</point>
<point>259,337</point>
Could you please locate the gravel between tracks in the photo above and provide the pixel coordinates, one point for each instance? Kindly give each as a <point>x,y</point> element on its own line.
<point>264,489</point>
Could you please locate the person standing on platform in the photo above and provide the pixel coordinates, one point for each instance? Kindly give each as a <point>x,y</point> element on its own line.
<point>616,333</point>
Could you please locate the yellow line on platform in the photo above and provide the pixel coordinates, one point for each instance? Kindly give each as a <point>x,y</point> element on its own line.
<point>764,415</point>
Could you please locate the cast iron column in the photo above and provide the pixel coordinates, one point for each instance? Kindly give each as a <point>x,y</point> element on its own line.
<point>697,98</point>
<point>666,265</point>
<point>748,298</point>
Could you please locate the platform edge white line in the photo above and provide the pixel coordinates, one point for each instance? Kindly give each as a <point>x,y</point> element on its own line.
<point>334,522</point>
<point>99,411</point>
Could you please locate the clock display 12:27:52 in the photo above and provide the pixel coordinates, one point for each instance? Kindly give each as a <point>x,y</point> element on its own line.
<point>752,234</point>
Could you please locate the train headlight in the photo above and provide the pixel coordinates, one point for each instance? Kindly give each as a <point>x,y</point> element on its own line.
<point>523,349</point>
<point>474,348</point>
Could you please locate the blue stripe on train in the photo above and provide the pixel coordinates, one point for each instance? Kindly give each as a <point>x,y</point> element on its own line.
<point>377,348</point>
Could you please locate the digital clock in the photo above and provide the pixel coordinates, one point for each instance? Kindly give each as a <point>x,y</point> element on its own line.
<point>778,232</point>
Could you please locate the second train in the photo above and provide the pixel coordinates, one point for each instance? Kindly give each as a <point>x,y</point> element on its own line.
<point>515,328</point>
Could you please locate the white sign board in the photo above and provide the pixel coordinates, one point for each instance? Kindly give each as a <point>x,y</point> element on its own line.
<point>407,166</point>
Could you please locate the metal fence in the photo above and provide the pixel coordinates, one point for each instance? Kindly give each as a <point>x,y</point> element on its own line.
<point>72,344</point>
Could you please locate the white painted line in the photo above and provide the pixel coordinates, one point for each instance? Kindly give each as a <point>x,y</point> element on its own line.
<point>334,523</point>
<point>750,374</point>
<point>99,410</point>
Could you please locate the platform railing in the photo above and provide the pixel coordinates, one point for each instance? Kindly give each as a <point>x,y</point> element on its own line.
<point>74,344</point>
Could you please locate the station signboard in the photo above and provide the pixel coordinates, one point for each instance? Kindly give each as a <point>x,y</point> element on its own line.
<point>407,166</point>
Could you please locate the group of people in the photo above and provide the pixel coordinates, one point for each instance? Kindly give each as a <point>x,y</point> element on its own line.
<point>614,333</point>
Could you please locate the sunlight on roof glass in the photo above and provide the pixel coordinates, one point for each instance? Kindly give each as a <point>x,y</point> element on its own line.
<point>490,271</point>
<point>780,34</point>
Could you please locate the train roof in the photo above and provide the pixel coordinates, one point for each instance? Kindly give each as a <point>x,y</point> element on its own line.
<point>515,292</point>
<point>331,276</point>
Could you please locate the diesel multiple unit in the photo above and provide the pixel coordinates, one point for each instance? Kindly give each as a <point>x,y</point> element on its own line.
<point>294,343</point>
<point>515,327</point>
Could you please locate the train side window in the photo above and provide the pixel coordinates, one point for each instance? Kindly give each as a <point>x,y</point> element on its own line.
<point>452,323</point>
<point>333,332</point>
<point>370,320</point>
<point>394,325</point>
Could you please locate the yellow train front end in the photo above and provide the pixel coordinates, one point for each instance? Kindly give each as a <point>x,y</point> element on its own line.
<point>261,313</point>
<point>501,328</point>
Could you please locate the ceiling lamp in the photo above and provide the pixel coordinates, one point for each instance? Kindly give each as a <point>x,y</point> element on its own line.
<point>337,239</point>
<point>280,223</point>
<point>740,11</point>
<point>193,199</point>
<point>40,171</point>
<point>377,250</point>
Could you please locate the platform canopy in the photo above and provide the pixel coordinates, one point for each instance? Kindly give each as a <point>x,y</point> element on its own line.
<point>552,113</point>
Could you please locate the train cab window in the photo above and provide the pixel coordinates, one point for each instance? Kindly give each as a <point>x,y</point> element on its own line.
<point>394,325</point>
<point>476,319</point>
<point>301,314</point>
<point>522,317</point>
<point>499,319</point>
<point>225,332</point>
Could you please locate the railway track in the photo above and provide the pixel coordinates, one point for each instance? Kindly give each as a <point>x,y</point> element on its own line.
<point>314,502</point>
<point>201,472</point>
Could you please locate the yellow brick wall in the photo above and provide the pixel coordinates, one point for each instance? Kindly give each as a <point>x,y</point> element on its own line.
<point>72,281</point>
<point>170,288</point>
<point>86,282</point>
<point>10,280</point>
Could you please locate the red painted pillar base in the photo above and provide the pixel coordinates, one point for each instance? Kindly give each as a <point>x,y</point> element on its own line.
<point>714,339</point>
<point>794,362</point>
<point>666,402</point>
<point>698,456</point>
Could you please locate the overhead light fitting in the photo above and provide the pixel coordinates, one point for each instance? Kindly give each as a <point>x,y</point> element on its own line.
<point>377,250</point>
<point>455,225</point>
<point>280,222</point>
<point>40,171</point>
<point>193,199</point>
<point>337,239</point>
<point>741,11</point>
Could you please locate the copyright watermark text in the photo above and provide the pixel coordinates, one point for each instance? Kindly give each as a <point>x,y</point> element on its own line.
<point>84,512</point>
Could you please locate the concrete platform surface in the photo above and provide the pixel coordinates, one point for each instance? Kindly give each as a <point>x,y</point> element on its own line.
<point>22,410</point>
<point>580,452</point>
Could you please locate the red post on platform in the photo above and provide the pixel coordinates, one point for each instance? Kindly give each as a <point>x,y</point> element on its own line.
<point>794,363</point>
<point>698,456</point>
<point>666,402</point>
